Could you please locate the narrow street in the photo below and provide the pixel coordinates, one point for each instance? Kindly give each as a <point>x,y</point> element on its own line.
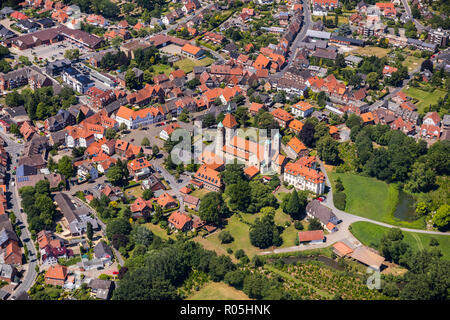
<point>14,149</point>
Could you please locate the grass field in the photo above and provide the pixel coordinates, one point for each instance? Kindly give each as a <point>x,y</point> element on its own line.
<point>187,65</point>
<point>370,234</point>
<point>372,199</point>
<point>371,51</point>
<point>199,193</point>
<point>425,98</point>
<point>218,291</point>
<point>162,68</point>
<point>135,191</point>
<point>412,62</point>
<point>157,230</point>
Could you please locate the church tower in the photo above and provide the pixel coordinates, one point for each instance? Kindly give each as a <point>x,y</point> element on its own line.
<point>219,140</point>
<point>230,124</point>
<point>267,149</point>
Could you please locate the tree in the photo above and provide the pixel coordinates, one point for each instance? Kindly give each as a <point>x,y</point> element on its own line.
<point>65,167</point>
<point>339,186</point>
<point>131,80</point>
<point>142,235</point>
<point>225,237</point>
<point>123,126</point>
<point>110,133</point>
<point>147,194</point>
<point>239,195</point>
<point>212,208</point>
<point>155,150</point>
<point>89,231</point>
<point>327,149</point>
<point>232,174</point>
<point>306,135</point>
<point>118,226</point>
<point>145,142</point>
<point>14,129</point>
<point>421,178</point>
<point>118,173</point>
<point>427,65</point>
<point>72,54</point>
<point>264,233</point>
<point>314,224</point>
<point>295,204</point>
<point>441,218</point>
<point>208,120</point>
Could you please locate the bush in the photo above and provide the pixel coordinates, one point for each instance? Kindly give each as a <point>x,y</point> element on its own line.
<point>230,251</point>
<point>298,225</point>
<point>226,237</point>
<point>340,200</point>
<point>239,254</point>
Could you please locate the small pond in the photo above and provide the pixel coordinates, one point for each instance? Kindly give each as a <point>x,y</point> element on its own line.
<point>405,210</point>
<point>325,260</point>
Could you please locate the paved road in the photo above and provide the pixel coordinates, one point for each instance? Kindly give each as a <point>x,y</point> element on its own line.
<point>299,38</point>
<point>419,26</point>
<point>14,148</point>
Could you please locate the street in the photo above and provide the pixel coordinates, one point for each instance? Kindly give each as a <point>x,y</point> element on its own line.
<point>14,148</point>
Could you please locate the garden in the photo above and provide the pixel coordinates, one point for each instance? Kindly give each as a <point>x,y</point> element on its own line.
<point>370,235</point>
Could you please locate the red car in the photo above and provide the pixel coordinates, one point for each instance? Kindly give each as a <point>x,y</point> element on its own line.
<point>320,199</point>
<point>15,168</point>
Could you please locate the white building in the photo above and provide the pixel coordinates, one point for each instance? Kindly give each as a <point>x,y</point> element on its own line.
<point>304,178</point>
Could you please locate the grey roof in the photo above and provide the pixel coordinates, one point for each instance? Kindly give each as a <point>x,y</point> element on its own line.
<point>102,249</point>
<point>354,59</point>
<point>5,33</point>
<point>66,206</point>
<point>114,106</point>
<point>100,284</point>
<point>446,120</point>
<point>324,214</point>
<point>6,271</point>
<point>318,34</point>
<point>6,235</point>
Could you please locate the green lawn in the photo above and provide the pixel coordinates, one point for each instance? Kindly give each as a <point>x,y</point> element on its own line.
<point>371,51</point>
<point>187,65</point>
<point>199,193</point>
<point>425,98</point>
<point>218,291</point>
<point>412,62</point>
<point>372,199</point>
<point>135,191</point>
<point>157,230</point>
<point>370,234</point>
<point>157,68</point>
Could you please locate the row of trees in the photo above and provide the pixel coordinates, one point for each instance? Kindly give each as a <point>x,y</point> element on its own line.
<point>39,207</point>
<point>42,102</point>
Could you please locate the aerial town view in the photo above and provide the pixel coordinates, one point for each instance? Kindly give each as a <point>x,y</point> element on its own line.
<point>224,150</point>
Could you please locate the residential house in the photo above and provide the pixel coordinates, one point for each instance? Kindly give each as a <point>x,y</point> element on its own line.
<point>325,215</point>
<point>139,168</point>
<point>311,237</point>
<point>56,275</point>
<point>102,288</point>
<point>282,117</point>
<point>180,221</point>
<point>103,252</point>
<point>302,109</point>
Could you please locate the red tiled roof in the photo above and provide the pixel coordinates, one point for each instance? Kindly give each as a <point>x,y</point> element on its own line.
<point>310,235</point>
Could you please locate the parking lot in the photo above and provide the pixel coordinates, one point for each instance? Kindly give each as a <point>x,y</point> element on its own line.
<point>50,52</point>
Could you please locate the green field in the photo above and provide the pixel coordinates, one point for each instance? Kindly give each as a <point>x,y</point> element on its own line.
<point>371,51</point>
<point>370,234</point>
<point>412,62</point>
<point>135,191</point>
<point>372,199</point>
<point>157,68</point>
<point>425,98</point>
<point>218,291</point>
<point>160,232</point>
<point>199,193</point>
<point>187,65</point>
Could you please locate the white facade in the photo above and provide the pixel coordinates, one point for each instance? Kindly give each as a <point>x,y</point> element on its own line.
<point>300,113</point>
<point>300,182</point>
<point>135,123</point>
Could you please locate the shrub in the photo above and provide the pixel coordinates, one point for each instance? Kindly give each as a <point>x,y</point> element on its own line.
<point>298,225</point>
<point>230,251</point>
<point>239,254</point>
<point>226,237</point>
<point>340,200</point>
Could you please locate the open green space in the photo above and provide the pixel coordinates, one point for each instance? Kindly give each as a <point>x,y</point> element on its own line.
<point>157,68</point>
<point>425,97</point>
<point>372,199</point>
<point>199,193</point>
<point>160,232</point>
<point>370,235</point>
<point>218,291</point>
<point>135,191</point>
<point>412,62</point>
<point>371,51</point>
<point>187,65</point>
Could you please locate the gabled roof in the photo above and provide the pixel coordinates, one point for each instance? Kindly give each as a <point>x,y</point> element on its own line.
<point>310,235</point>
<point>179,219</point>
<point>296,145</point>
<point>56,272</point>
